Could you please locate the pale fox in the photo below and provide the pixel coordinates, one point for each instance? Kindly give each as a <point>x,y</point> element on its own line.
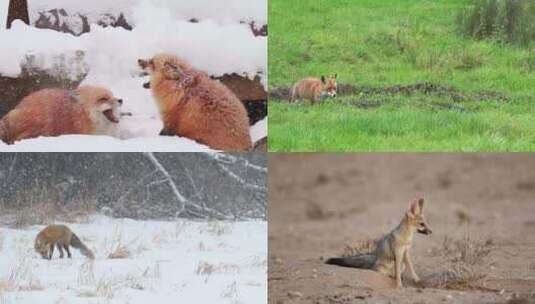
<point>61,237</point>
<point>393,250</point>
<point>314,89</point>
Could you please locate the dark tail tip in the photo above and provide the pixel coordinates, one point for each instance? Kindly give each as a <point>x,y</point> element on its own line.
<point>333,261</point>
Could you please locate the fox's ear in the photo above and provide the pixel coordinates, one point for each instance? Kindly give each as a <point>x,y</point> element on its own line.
<point>414,208</point>
<point>409,215</point>
<point>421,204</point>
<point>172,71</point>
<point>322,78</point>
<point>335,76</point>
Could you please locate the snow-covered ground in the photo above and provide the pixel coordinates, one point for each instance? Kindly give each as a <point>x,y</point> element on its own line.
<point>169,262</point>
<point>89,143</point>
<point>218,45</point>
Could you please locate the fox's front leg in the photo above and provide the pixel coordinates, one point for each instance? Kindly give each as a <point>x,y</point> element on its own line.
<point>408,263</point>
<point>398,255</point>
<point>50,250</point>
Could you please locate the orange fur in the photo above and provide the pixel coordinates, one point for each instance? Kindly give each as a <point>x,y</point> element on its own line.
<point>314,89</point>
<point>193,105</point>
<point>53,112</point>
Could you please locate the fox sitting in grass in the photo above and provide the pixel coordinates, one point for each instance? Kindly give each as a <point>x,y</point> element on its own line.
<point>393,250</point>
<point>60,236</point>
<point>314,89</point>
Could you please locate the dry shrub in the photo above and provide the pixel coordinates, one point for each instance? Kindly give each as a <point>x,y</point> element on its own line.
<point>231,291</point>
<point>120,252</point>
<point>465,261</point>
<point>219,228</point>
<point>204,268</point>
<point>21,277</point>
<point>104,288</point>
<point>86,274</point>
<point>361,247</point>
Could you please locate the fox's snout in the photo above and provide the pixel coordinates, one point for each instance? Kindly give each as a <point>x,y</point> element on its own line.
<point>424,229</point>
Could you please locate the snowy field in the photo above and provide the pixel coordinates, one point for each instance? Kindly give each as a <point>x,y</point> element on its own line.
<point>168,262</point>
<point>218,44</point>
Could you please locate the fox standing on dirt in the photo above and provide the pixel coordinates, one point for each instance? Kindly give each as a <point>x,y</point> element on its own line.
<point>314,89</point>
<point>194,106</point>
<point>60,236</point>
<point>53,112</point>
<point>393,250</point>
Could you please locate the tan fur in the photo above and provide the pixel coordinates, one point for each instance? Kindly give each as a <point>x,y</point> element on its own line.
<point>393,250</point>
<point>61,237</point>
<point>194,106</point>
<point>314,89</point>
<point>53,112</point>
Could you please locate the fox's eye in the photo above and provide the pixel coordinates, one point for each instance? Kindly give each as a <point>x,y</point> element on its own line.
<point>103,99</point>
<point>422,224</point>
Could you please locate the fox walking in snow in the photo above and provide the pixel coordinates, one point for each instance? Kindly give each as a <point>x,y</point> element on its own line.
<point>393,250</point>
<point>61,237</point>
<point>314,89</point>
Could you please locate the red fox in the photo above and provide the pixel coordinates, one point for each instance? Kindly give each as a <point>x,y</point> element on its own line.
<point>392,253</point>
<point>194,106</point>
<point>314,89</point>
<point>60,236</point>
<point>53,112</point>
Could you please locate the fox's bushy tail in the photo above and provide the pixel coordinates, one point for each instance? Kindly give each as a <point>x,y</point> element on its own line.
<point>366,261</point>
<point>76,243</point>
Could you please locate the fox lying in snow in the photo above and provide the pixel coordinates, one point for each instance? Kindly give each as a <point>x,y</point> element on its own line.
<point>62,237</point>
<point>53,112</point>
<point>393,250</point>
<point>194,106</point>
<point>314,89</point>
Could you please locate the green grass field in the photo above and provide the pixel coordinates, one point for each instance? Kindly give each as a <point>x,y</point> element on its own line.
<point>379,44</point>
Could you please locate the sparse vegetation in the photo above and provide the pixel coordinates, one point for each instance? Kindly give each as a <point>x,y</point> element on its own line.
<point>465,262</point>
<point>504,21</point>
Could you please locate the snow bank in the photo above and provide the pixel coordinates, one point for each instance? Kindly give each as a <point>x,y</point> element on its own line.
<point>91,143</point>
<point>111,54</point>
<point>258,131</point>
<point>225,12</point>
<point>170,262</point>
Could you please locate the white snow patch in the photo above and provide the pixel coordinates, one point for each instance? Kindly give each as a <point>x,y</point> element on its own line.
<point>170,262</point>
<point>3,13</point>
<point>94,143</point>
<point>224,12</point>
<point>259,130</point>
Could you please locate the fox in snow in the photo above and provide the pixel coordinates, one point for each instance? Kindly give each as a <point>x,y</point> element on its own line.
<point>314,89</point>
<point>392,253</point>
<point>53,112</point>
<point>62,237</point>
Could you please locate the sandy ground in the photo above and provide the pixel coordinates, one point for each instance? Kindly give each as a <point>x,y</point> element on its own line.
<point>319,203</point>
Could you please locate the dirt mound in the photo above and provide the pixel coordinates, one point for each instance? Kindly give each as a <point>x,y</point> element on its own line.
<point>426,88</point>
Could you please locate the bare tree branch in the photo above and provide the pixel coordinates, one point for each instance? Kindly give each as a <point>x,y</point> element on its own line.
<point>181,199</point>
<point>230,159</point>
